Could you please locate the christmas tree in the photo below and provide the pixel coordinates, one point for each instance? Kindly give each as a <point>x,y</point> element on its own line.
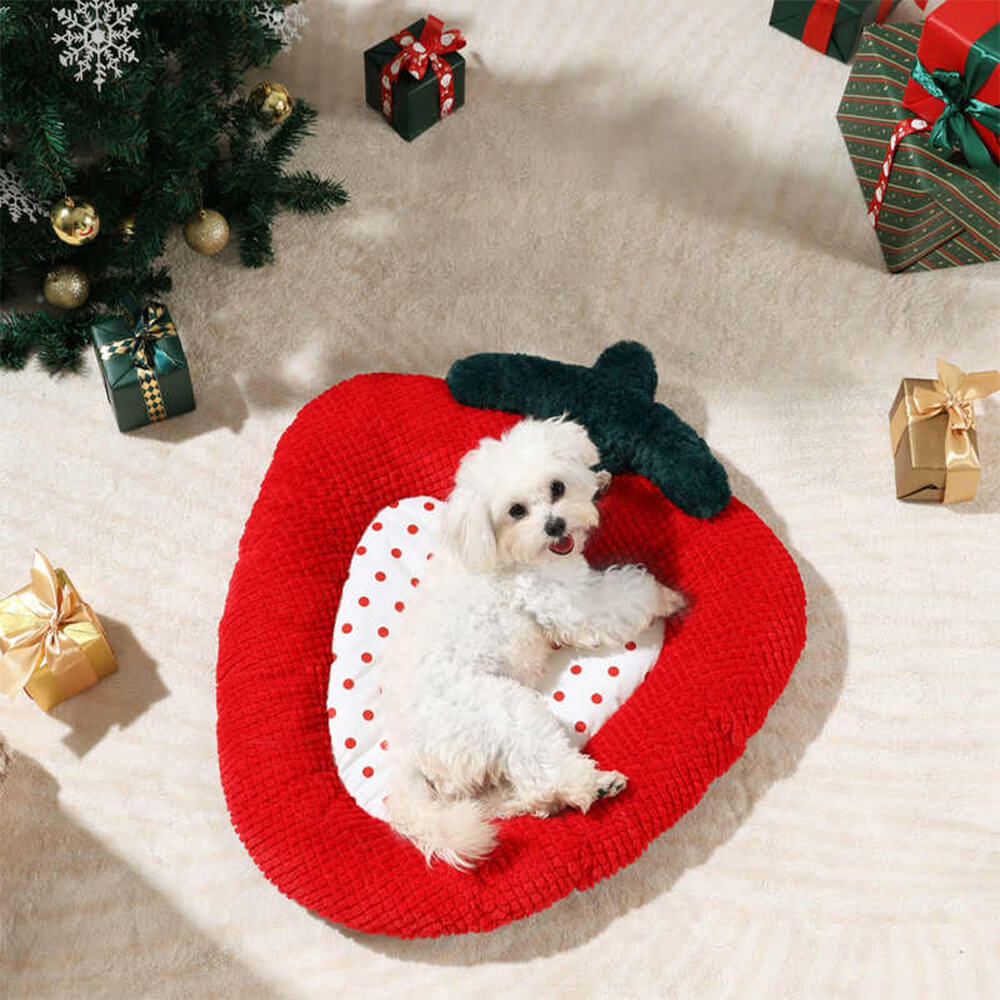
<point>119,120</point>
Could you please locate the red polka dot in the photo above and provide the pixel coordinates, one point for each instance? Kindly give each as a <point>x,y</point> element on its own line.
<point>412,529</point>
<point>346,627</point>
<point>430,555</point>
<point>350,743</point>
<point>366,657</point>
<point>368,715</point>
<point>384,744</point>
<point>613,671</point>
<point>396,553</point>
<point>399,605</point>
<point>380,576</point>
<point>368,771</point>
<point>581,727</point>
<point>596,699</point>
<point>348,683</point>
<point>394,504</point>
<point>361,550</point>
<point>559,696</point>
<point>630,645</point>
<point>415,582</point>
<point>428,505</point>
<point>364,602</point>
<point>576,669</point>
<point>377,526</point>
<point>331,713</point>
<point>383,631</point>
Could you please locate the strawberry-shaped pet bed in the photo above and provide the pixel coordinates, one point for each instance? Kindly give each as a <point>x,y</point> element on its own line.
<point>346,516</point>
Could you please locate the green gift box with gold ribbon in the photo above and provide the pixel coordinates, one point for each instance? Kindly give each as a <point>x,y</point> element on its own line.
<point>142,361</point>
<point>930,207</point>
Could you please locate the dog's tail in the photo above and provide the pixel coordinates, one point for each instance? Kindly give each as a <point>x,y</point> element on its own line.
<point>458,831</point>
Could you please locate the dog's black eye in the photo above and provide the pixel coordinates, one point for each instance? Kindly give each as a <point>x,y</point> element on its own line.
<point>558,488</point>
<point>517,511</point>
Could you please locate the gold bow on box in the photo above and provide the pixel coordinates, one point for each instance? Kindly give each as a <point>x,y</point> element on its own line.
<point>52,644</point>
<point>933,428</point>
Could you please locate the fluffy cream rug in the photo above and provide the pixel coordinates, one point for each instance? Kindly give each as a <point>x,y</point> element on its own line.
<point>665,171</point>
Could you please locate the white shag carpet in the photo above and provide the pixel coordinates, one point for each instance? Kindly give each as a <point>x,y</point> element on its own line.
<point>665,171</point>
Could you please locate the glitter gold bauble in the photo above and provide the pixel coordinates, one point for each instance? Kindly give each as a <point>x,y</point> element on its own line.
<point>206,231</point>
<point>66,287</point>
<point>74,222</point>
<point>126,228</point>
<point>271,101</point>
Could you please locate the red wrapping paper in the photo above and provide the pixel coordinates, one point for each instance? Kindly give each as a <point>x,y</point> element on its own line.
<point>948,34</point>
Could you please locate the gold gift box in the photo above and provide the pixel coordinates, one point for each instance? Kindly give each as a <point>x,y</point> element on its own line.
<point>933,430</point>
<point>52,645</point>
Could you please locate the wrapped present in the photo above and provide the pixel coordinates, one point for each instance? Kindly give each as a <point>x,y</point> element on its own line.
<point>830,26</point>
<point>932,425</point>
<point>145,371</point>
<point>52,644</point>
<point>928,211</point>
<point>397,82</point>
<point>955,80</point>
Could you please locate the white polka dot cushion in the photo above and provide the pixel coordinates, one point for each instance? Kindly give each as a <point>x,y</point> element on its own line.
<point>584,688</point>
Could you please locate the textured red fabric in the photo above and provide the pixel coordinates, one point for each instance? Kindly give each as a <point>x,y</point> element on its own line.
<point>377,438</point>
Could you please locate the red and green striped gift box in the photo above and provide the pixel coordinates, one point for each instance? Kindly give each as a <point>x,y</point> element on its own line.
<point>937,211</point>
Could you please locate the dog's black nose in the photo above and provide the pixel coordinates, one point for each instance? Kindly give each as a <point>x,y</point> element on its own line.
<point>555,527</point>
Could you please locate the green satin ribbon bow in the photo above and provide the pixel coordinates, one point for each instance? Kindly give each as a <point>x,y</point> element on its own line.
<point>952,127</point>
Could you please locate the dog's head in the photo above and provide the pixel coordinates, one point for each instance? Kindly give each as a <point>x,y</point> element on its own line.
<point>525,498</point>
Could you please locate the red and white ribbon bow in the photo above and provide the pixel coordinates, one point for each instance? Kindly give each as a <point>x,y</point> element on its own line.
<point>416,54</point>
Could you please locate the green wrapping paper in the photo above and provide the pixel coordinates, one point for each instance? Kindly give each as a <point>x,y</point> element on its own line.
<point>937,211</point>
<point>790,16</point>
<point>415,102</point>
<point>142,362</point>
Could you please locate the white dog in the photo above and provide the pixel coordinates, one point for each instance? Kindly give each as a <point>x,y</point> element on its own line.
<point>468,736</point>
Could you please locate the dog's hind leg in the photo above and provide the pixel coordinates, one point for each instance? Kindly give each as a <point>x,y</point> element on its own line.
<point>544,772</point>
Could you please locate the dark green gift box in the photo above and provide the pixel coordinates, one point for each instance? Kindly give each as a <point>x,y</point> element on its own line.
<point>415,105</point>
<point>143,394</point>
<point>937,210</point>
<point>790,16</point>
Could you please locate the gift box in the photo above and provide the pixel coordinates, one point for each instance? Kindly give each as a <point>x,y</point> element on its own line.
<point>830,26</point>
<point>416,77</point>
<point>928,211</point>
<point>932,426</point>
<point>955,80</point>
<point>143,364</point>
<point>52,645</point>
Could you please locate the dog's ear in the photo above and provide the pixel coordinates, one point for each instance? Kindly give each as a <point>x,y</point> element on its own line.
<point>467,529</point>
<point>571,441</point>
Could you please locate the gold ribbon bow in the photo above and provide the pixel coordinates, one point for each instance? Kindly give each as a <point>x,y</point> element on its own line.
<point>952,392</point>
<point>141,343</point>
<point>46,628</point>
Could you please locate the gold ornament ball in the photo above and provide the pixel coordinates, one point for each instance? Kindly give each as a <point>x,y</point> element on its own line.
<point>66,287</point>
<point>206,231</point>
<point>271,101</point>
<point>126,228</point>
<point>75,222</point>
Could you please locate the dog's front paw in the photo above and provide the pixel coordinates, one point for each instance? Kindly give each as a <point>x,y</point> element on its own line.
<point>610,783</point>
<point>668,602</point>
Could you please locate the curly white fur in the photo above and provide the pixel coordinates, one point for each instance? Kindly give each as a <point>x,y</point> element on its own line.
<point>468,736</point>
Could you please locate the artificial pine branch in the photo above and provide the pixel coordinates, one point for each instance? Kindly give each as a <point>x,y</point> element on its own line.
<point>305,192</point>
<point>171,134</point>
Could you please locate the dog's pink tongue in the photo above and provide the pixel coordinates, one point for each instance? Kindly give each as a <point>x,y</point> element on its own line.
<point>563,546</point>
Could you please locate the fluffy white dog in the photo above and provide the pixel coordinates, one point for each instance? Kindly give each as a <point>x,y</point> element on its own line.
<point>468,735</point>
